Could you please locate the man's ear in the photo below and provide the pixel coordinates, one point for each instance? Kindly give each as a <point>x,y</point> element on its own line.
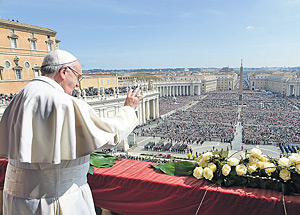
<point>62,72</point>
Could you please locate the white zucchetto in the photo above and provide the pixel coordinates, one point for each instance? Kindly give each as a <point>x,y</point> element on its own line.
<point>58,57</point>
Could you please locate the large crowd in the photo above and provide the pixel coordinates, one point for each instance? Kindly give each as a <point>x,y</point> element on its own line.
<point>91,91</point>
<point>266,119</point>
<point>167,104</point>
<point>5,99</point>
<point>211,118</point>
<point>270,119</point>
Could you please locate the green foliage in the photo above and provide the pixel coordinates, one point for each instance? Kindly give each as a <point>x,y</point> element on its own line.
<point>184,168</point>
<point>102,160</point>
<point>91,170</point>
<point>167,168</point>
<point>179,168</point>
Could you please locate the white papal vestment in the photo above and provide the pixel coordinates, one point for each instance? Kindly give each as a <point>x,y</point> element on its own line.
<point>47,137</point>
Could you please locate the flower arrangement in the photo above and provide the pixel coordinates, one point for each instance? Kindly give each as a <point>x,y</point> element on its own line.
<point>254,170</point>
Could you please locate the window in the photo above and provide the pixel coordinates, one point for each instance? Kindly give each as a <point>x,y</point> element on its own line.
<point>32,34</point>
<point>33,45</point>
<point>108,81</point>
<point>18,74</point>
<point>114,81</point>
<point>1,72</point>
<point>36,73</point>
<point>7,64</point>
<point>13,42</point>
<point>12,31</point>
<point>102,83</point>
<point>27,65</point>
<point>49,45</point>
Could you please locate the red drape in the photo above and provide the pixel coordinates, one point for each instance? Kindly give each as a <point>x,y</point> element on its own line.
<point>133,188</point>
<point>3,164</point>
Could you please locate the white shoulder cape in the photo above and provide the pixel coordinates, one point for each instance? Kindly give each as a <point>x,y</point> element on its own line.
<point>44,124</point>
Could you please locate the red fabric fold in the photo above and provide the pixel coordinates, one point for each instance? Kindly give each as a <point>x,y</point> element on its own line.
<point>133,188</point>
<point>3,165</point>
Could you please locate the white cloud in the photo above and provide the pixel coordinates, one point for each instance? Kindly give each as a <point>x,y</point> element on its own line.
<point>249,28</point>
<point>216,12</point>
<point>186,14</point>
<point>293,1</point>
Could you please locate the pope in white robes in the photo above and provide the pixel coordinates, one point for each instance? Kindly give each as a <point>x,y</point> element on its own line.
<point>47,136</point>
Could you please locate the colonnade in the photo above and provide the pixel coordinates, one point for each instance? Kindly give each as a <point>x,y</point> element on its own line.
<point>293,89</point>
<point>177,88</point>
<point>148,108</point>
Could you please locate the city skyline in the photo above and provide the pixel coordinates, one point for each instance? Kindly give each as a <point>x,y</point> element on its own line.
<point>153,34</point>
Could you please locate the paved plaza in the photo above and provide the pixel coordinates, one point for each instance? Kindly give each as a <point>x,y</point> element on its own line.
<point>236,145</point>
<point>268,150</point>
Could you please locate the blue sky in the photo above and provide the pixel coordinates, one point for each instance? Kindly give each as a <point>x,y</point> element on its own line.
<point>127,34</point>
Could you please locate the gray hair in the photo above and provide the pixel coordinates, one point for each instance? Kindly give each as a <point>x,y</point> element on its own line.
<point>51,70</point>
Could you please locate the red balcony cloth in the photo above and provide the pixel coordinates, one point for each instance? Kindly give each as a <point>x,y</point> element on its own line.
<point>133,188</point>
<point>3,164</point>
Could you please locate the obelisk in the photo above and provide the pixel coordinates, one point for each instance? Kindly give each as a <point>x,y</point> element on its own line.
<point>241,84</point>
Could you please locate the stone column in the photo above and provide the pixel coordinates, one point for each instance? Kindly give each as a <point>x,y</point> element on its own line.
<point>143,112</point>
<point>151,109</point>
<point>140,113</point>
<point>156,108</point>
<point>147,110</point>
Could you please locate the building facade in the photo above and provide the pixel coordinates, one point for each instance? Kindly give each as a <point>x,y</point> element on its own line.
<point>99,81</point>
<point>22,49</point>
<point>226,81</point>
<point>284,83</point>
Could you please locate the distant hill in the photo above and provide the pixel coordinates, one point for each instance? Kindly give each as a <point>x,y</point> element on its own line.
<point>105,71</point>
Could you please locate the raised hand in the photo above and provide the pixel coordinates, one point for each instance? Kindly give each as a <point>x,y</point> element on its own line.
<point>133,98</point>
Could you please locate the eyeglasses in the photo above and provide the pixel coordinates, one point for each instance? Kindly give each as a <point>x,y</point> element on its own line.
<point>79,76</point>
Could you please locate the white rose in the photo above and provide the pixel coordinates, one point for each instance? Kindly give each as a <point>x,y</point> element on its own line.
<point>252,167</point>
<point>212,166</point>
<point>252,158</point>
<point>285,174</point>
<point>256,152</point>
<point>241,169</point>
<point>208,173</point>
<point>226,169</point>
<point>269,168</point>
<point>261,165</point>
<point>298,168</point>
<point>284,162</point>
<point>198,172</point>
<point>233,161</point>
<point>203,163</point>
<point>263,158</point>
<point>207,156</point>
<point>295,158</point>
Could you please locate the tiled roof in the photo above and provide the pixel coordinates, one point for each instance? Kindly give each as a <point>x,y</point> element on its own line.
<point>25,27</point>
